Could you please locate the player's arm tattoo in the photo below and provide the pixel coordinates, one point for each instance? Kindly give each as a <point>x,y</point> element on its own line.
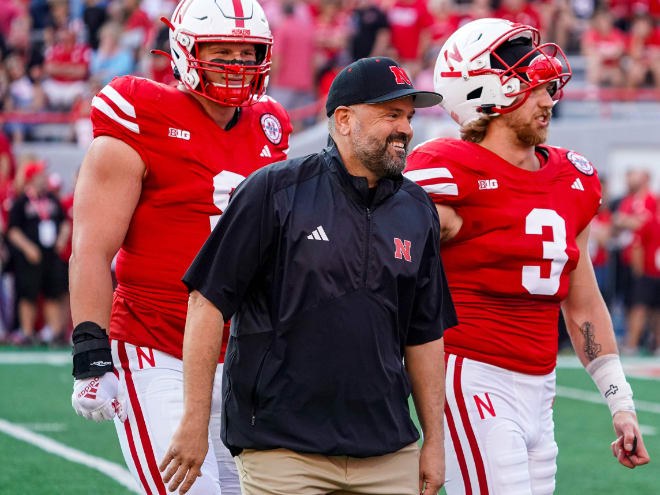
<point>591,348</point>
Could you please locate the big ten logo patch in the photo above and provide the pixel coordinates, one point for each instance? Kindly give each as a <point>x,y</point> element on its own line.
<point>484,404</point>
<point>145,357</point>
<point>488,184</point>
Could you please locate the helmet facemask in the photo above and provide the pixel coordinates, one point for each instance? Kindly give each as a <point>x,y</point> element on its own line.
<point>244,80</point>
<point>198,22</point>
<point>523,65</point>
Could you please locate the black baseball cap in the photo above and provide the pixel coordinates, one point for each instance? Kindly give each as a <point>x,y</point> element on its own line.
<point>375,80</point>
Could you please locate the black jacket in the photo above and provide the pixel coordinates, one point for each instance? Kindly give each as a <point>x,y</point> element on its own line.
<point>325,289</point>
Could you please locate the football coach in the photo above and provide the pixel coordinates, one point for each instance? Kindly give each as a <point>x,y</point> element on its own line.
<point>329,268</point>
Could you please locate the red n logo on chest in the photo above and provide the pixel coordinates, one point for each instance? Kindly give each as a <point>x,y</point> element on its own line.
<point>402,249</point>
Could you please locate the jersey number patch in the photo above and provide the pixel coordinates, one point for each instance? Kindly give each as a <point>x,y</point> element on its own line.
<point>223,185</point>
<point>554,250</point>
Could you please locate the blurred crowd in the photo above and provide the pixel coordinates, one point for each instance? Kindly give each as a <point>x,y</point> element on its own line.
<point>624,246</point>
<point>56,54</point>
<point>35,222</point>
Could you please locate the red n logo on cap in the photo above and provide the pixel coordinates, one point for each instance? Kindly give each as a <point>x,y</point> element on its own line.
<point>400,75</point>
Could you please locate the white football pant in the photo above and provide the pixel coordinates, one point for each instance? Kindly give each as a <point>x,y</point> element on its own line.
<point>499,434</point>
<point>154,387</point>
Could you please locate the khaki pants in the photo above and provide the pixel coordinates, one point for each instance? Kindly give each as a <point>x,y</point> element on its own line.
<point>284,472</point>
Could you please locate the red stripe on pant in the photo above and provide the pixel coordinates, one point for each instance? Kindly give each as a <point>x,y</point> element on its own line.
<point>136,459</point>
<point>459,452</point>
<point>139,418</point>
<point>465,419</point>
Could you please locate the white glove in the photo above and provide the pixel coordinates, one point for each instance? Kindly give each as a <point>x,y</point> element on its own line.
<point>99,398</point>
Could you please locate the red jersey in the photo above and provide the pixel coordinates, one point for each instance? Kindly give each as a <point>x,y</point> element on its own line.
<point>508,265</point>
<point>192,166</point>
<point>644,207</point>
<point>597,252</point>
<point>407,22</point>
<point>649,239</point>
<point>611,46</point>
<point>79,55</point>
<point>528,16</point>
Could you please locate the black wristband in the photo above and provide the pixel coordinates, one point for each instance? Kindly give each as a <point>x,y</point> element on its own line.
<point>91,351</point>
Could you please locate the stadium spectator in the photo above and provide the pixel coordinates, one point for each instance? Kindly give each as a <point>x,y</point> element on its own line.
<point>332,27</point>
<point>633,211</point>
<point>293,70</point>
<point>644,52</point>
<point>67,68</point>
<point>138,28</point>
<point>7,172</point>
<point>600,236</point>
<point>38,229</point>
<point>24,97</point>
<point>646,265</point>
<point>371,31</point>
<point>604,46</point>
<point>326,338</point>
<point>111,59</point>
<point>9,10</point>
<point>446,20</point>
<point>520,11</point>
<point>410,25</point>
<point>94,17</point>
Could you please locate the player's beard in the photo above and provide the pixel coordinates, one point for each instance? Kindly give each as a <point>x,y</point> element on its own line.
<point>527,131</point>
<point>377,157</point>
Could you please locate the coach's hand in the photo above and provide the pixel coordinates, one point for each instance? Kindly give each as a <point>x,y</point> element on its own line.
<point>431,467</point>
<point>99,398</point>
<point>628,448</point>
<point>186,454</point>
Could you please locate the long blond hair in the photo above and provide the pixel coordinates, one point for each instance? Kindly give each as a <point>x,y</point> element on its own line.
<point>475,131</point>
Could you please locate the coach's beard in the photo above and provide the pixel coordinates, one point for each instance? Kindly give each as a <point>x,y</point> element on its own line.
<point>386,160</point>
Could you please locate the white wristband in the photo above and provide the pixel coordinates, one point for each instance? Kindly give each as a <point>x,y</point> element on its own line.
<point>607,372</point>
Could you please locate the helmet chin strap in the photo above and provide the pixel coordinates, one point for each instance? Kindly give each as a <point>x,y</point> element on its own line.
<point>492,109</point>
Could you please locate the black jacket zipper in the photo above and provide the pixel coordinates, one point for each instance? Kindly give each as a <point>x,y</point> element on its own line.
<point>253,420</point>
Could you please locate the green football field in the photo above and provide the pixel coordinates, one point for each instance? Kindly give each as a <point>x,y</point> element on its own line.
<point>46,449</point>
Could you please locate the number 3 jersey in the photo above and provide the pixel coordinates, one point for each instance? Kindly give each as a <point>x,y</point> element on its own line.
<point>508,267</point>
<point>192,166</point>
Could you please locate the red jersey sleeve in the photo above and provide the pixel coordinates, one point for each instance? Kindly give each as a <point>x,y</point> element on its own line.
<point>116,112</point>
<point>431,167</point>
<point>282,148</point>
<point>586,179</point>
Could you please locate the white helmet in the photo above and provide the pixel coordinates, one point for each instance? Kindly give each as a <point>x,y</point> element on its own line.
<point>481,66</point>
<point>236,21</point>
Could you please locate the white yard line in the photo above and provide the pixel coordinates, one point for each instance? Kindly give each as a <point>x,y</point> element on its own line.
<point>110,469</point>
<point>583,395</point>
<point>56,358</point>
<point>648,430</point>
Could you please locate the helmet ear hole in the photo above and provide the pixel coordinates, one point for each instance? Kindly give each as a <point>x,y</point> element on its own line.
<point>475,93</point>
